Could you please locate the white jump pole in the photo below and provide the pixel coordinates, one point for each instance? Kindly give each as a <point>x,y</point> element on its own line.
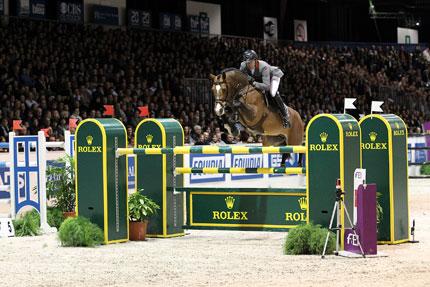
<point>44,226</point>
<point>12,174</point>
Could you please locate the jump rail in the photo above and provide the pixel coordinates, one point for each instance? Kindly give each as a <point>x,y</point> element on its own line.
<point>211,150</point>
<point>240,170</point>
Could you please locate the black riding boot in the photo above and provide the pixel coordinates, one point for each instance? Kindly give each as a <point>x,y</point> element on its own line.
<point>284,111</point>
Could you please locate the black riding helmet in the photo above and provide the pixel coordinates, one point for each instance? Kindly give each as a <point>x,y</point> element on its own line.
<point>249,55</point>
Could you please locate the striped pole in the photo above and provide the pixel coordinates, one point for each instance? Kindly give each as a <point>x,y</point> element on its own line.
<point>242,170</point>
<point>212,150</point>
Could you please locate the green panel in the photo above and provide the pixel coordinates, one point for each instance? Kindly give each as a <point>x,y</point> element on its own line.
<point>245,209</point>
<point>89,173</point>
<point>149,170</point>
<point>102,178</point>
<point>174,204</point>
<point>376,162</point>
<point>117,194</point>
<point>352,159</point>
<point>333,153</point>
<point>157,133</point>
<point>400,179</point>
<point>323,168</point>
<point>392,181</point>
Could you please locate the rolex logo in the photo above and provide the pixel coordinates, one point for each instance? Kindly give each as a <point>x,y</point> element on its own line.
<point>350,126</point>
<point>372,136</point>
<point>229,201</point>
<point>89,140</point>
<point>397,126</point>
<point>149,138</point>
<point>303,203</point>
<point>323,137</point>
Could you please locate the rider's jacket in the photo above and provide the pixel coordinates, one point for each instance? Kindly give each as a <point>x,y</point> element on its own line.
<point>262,74</point>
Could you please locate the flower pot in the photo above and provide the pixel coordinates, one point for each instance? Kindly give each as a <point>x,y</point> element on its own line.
<point>137,230</point>
<point>68,214</point>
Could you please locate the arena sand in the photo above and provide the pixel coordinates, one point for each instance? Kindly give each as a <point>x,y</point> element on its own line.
<point>216,258</point>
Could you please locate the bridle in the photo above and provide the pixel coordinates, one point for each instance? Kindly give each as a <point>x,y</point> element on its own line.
<point>228,99</point>
<point>223,102</point>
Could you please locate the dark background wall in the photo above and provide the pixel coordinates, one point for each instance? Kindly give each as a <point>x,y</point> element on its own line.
<point>328,20</point>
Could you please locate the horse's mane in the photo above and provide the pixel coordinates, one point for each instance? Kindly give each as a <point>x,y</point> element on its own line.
<point>229,70</point>
<point>226,70</point>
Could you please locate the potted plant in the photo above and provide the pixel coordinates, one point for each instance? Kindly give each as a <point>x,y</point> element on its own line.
<point>140,208</point>
<point>60,186</point>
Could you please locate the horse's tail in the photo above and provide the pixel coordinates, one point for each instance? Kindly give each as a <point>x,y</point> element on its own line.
<point>296,133</point>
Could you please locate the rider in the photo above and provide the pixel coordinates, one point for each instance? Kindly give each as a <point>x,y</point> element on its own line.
<point>265,78</point>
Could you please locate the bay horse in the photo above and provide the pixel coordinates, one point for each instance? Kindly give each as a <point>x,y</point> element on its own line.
<point>233,94</point>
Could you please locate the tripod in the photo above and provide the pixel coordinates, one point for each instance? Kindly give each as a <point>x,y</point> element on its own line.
<point>336,210</point>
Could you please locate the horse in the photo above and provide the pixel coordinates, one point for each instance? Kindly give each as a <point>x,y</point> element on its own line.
<point>233,94</point>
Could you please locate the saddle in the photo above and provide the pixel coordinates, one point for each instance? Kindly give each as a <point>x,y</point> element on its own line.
<point>268,100</point>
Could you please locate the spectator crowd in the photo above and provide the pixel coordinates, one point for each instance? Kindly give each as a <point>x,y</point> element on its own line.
<point>50,72</point>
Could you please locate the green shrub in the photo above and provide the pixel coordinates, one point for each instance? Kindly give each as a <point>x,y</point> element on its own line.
<point>308,239</point>
<point>55,217</point>
<point>28,224</point>
<point>317,240</point>
<point>298,240</point>
<point>79,231</point>
<point>425,169</point>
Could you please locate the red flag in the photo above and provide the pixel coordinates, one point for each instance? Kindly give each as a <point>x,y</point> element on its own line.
<point>72,123</point>
<point>108,110</point>
<point>46,132</point>
<point>16,125</point>
<point>144,112</point>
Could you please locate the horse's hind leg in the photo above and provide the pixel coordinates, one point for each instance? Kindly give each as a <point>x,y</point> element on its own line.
<point>277,141</point>
<point>285,157</point>
<point>300,162</point>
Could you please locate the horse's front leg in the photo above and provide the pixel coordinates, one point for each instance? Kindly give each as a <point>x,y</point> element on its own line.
<point>248,111</point>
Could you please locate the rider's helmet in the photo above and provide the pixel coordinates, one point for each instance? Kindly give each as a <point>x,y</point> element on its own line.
<point>250,55</point>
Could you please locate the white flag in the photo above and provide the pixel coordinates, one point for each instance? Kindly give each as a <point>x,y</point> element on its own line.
<point>376,106</point>
<point>349,104</point>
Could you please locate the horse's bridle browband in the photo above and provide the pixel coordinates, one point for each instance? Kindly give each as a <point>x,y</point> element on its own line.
<point>226,101</point>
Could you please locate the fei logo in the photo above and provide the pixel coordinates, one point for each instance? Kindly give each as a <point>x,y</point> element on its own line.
<point>352,239</point>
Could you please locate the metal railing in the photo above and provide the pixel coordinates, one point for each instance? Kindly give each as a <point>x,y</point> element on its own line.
<point>199,91</point>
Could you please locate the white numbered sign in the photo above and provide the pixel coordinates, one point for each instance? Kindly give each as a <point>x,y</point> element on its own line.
<point>6,227</point>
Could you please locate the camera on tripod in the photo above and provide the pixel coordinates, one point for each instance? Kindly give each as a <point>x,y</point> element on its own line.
<point>339,191</point>
<point>337,209</point>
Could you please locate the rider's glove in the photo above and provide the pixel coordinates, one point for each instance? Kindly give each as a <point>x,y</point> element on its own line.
<point>250,80</point>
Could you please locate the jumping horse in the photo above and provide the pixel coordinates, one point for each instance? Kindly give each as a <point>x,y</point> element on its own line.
<point>234,95</point>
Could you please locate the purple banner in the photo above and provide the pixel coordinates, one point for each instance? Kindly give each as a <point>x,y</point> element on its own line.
<point>426,127</point>
<point>366,222</point>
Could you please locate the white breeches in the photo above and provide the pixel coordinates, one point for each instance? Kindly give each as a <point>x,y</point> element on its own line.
<point>274,85</point>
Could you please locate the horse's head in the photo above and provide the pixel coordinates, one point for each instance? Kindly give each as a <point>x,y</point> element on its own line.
<point>224,88</point>
<point>220,92</point>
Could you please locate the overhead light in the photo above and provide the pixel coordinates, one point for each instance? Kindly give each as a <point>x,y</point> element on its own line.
<point>418,23</point>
